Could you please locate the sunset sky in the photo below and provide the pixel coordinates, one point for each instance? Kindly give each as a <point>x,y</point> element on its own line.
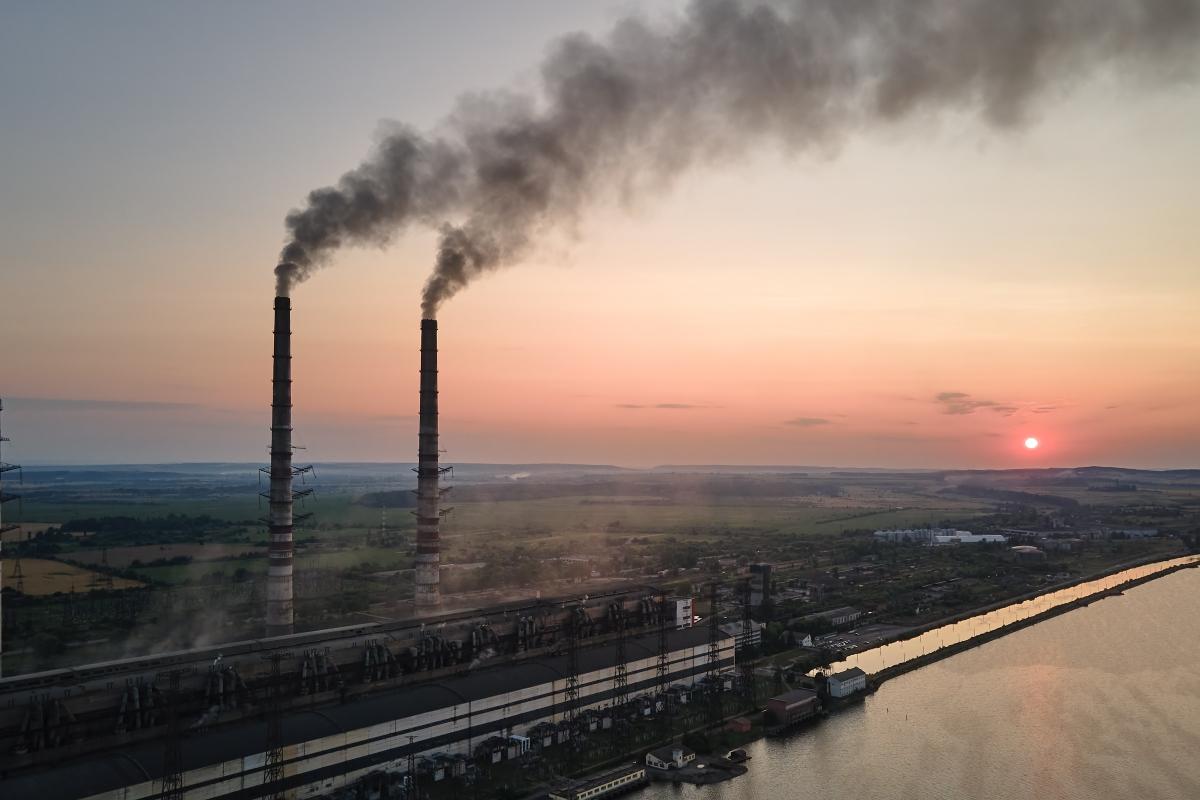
<point>927,296</point>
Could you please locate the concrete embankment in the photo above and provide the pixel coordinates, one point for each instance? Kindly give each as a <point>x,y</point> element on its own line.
<point>878,678</point>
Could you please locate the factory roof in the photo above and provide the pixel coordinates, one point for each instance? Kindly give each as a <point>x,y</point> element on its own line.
<point>143,761</point>
<point>848,674</point>
<point>794,696</point>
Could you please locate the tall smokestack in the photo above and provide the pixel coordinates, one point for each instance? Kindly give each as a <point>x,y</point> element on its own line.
<point>428,565</point>
<point>279,569</point>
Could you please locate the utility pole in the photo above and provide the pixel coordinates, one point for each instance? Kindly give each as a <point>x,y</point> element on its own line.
<point>4,498</point>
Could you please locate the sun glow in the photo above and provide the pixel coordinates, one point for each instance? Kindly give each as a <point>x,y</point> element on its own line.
<point>1031,443</point>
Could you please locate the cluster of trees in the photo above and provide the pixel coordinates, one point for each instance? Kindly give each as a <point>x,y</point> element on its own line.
<point>171,528</point>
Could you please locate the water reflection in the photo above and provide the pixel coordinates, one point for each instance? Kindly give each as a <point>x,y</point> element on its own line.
<point>893,653</point>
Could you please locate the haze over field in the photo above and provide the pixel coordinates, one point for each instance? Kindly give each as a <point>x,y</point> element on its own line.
<point>932,296</point>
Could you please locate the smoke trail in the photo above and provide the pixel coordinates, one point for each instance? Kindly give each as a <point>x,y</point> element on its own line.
<point>632,112</point>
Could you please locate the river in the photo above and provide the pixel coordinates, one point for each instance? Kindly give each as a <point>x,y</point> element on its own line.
<point>1099,703</point>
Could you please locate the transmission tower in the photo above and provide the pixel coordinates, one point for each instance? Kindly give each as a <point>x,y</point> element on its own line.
<point>4,498</point>
<point>621,669</point>
<point>664,649</point>
<point>571,695</point>
<point>714,633</point>
<point>273,765</point>
<point>414,792</point>
<point>747,642</point>
<point>172,779</point>
<point>713,676</point>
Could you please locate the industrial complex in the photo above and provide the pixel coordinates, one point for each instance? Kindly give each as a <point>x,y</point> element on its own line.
<point>304,714</point>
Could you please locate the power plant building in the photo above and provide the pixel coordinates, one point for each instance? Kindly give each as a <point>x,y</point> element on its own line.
<point>332,745</point>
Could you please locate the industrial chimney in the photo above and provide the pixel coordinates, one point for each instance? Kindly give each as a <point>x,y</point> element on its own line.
<point>428,565</point>
<point>279,569</point>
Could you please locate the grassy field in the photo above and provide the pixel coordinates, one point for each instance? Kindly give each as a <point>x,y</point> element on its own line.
<point>373,558</point>
<point>44,576</point>
<point>122,557</point>
<point>576,514</point>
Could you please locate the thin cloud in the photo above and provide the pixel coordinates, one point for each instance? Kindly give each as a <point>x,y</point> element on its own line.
<point>959,403</point>
<point>807,422</point>
<point>668,406</point>
<point>92,404</point>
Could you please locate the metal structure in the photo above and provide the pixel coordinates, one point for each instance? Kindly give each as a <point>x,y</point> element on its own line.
<point>280,611</point>
<point>621,668</point>
<point>427,594</point>
<point>714,633</point>
<point>747,636</point>
<point>664,649</point>
<point>413,791</point>
<point>4,498</point>
<point>746,643</point>
<point>713,671</point>
<point>273,764</point>
<point>571,693</point>
<point>172,779</point>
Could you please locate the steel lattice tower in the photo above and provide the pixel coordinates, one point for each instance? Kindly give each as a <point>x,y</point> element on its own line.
<point>273,762</point>
<point>713,673</point>
<point>4,498</point>
<point>172,779</point>
<point>664,649</point>
<point>571,695</point>
<point>620,670</point>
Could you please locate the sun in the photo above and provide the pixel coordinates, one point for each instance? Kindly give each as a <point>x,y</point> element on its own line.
<point>1031,443</point>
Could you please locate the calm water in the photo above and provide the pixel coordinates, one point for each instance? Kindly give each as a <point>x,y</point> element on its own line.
<point>1101,703</point>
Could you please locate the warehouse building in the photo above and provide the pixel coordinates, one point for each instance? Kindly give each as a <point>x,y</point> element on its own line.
<point>331,746</point>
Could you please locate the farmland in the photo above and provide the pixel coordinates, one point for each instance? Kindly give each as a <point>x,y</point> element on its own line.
<point>41,576</point>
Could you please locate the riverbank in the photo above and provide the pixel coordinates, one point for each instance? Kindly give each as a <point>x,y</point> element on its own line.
<point>941,622</point>
<point>878,678</point>
<point>1099,704</point>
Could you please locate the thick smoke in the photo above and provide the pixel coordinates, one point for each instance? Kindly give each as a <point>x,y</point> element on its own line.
<point>630,113</point>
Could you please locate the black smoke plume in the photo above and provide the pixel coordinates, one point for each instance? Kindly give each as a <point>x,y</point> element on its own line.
<point>631,112</point>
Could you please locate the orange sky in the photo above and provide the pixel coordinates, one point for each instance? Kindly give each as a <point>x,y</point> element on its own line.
<point>928,297</point>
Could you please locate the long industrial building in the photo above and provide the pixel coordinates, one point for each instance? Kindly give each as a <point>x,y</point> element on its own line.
<point>446,720</point>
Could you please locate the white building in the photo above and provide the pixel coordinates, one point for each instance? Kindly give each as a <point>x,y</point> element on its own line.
<point>937,536</point>
<point>673,756</point>
<point>613,782</point>
<point>745,635</point>
<point>847,682</point>
<point>681,609</point>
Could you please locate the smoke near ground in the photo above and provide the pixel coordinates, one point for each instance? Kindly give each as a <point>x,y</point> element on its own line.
<point>630,113</point>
